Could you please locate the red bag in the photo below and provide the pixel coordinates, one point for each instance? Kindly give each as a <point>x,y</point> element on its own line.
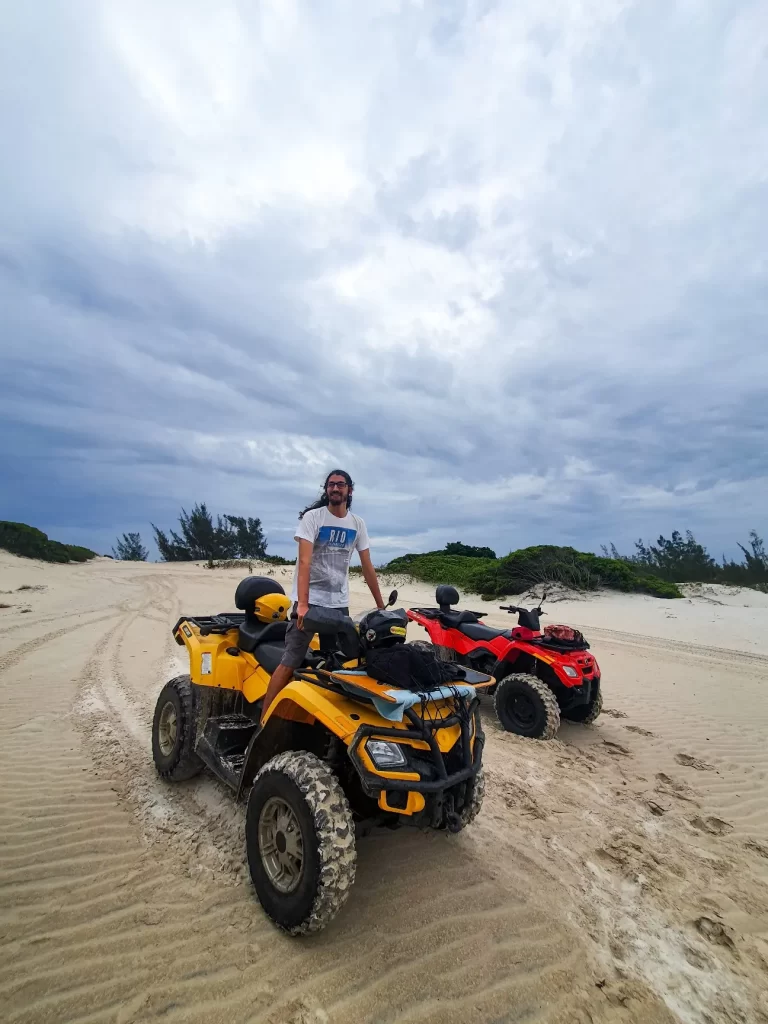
<point>566,633</point>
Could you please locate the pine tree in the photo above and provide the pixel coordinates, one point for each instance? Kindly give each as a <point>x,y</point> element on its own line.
<point>202,538</point>
<point>130,549</point>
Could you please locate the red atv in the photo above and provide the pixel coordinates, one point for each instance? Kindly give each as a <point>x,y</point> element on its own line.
<point>541,675</point>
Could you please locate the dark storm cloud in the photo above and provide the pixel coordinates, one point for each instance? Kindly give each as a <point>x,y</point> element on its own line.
<point>505,263</point>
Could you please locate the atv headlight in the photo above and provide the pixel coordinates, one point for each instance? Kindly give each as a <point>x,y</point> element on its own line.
<point>384,754</point>
<point>570,672</point>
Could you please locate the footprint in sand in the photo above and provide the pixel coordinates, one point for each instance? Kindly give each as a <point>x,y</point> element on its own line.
<point>714,932</point>
<point>693,762</point>
<point>715,826</point>
<point>614,713</point>
<point>616,748</point>
<point>671,787</point>
<point>639,731</point>
<point>655,808</point>
<point>695,958</point>
<point>759,848</point>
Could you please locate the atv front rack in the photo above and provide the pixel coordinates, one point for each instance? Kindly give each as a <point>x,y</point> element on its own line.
<point>423,729</point>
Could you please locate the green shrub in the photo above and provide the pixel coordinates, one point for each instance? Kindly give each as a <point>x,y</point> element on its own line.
<point>531,567</point>
<point>76,553</point>
<point>20,539</point>
<point>580,570</point>
<point>657,588</point>
<point>469,550</point>
<point>459,570</point>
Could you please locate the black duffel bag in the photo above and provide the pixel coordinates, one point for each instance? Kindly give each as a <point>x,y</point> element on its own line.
<point>411,667</point>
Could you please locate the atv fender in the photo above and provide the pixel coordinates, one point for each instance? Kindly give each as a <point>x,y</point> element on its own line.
<point>315,704</point>
<point>298,702</point>
<point>521,662</point>
<point>526,655</point>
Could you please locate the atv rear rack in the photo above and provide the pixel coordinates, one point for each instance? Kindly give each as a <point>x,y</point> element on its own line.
<point>222,623</point>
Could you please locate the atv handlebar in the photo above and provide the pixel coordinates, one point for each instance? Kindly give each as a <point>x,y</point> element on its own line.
<point>513,608</point>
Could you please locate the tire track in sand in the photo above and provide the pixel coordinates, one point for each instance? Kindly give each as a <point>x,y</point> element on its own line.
<point>200,825</point>
<point>107,922</point>
<point>682,647</point>
<point>17,654</point>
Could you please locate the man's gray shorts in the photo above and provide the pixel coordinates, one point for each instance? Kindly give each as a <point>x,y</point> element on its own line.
<point>297,641</point>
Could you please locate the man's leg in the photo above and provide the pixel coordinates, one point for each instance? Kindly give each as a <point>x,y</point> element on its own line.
<point>296,643</point>
<point>280,678</point>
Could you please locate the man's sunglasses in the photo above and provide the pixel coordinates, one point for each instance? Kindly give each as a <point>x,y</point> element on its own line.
<point>336,485</point>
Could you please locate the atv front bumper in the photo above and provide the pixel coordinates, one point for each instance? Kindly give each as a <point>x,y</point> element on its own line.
<point>441,780</point>
<point>572,696</point>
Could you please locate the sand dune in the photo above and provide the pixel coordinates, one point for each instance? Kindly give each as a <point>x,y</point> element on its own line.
<point>616,874</point>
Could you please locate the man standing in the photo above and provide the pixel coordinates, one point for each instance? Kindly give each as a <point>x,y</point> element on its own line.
<point>327,535</point>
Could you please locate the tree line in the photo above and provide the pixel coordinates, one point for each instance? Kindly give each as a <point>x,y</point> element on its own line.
<point>677,559</point>
<point>682,559</point>
<point>199,538</point>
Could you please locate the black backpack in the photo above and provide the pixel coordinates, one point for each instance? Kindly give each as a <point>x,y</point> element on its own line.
<point>410,667</point>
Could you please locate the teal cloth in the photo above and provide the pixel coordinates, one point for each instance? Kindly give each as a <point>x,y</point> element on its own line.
<point>394,709</point>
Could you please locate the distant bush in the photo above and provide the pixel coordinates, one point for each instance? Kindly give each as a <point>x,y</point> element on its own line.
<point>437,567</point>
<point>246,564</point>
<point>531,567</point>
<point>73,552</point>
<point>29,542</point>
<point>468,550</point>
<point>580,570</point>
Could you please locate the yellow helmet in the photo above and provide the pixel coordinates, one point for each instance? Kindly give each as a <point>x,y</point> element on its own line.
<point>272,607</point>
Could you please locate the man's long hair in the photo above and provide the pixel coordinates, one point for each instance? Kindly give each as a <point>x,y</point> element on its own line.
<point>322,501</point>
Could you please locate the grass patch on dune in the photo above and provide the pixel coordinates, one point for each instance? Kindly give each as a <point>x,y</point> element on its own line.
<point>538,566</point>
<point>29,542</point>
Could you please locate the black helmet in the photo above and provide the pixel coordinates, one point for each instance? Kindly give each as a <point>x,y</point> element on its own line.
<point>384,627</point>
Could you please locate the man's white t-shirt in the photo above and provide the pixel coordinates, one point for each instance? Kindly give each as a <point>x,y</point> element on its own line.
<point>334,541</point>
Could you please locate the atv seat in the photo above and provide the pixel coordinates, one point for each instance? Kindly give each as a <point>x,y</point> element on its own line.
<point>454,620</point>
<point>478,631</point>
<point>269,656</point>
<point>253,632</point>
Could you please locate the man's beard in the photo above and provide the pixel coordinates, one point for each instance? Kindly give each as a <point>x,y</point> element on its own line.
<point>335,499</point>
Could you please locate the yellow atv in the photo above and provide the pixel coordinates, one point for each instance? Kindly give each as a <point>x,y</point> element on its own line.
<point>339,753</point>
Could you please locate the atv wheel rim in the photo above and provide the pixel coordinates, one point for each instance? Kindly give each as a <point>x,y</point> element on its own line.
<point>167,729</point>
<point>522,710</point>
<point>280,844</point>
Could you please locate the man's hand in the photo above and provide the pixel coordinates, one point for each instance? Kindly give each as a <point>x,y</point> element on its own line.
<point>302,597</point>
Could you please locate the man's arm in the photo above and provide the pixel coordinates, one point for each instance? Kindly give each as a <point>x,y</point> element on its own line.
<point>306,548</point>
<point>369,573</point>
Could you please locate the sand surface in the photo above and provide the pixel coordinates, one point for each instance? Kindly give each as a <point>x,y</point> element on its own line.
<point>616,874</point>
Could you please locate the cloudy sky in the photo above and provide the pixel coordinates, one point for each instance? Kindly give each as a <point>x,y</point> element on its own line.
<point>504,261</point>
